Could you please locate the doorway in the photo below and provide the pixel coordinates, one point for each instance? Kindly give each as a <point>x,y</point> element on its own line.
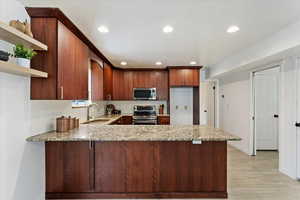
<point>266,108</point>
<point>208,103</point>
<point>297,124</point>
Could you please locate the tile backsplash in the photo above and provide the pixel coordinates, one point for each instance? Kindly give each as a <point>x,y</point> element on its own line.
<point>127,106</point>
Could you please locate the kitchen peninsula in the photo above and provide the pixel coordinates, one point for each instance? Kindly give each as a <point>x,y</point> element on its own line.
<point>99,160</point>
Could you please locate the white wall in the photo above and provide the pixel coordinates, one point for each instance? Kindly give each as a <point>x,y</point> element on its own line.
<point>288,117</point>
<point>275,47</point>
<point>235,113</point>
<point>282,46</point>
<point>235,108</point>
<point>22,163</point>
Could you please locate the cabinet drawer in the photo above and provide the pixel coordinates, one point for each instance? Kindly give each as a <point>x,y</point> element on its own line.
<point>163,120</point>
<point>126,120</point>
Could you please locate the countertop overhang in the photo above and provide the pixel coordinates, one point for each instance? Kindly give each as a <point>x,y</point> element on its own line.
<point>103,132</point>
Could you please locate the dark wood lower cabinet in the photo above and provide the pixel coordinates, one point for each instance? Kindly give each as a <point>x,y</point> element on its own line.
<point>124,120</point>
<point>136,170</point>
<point>69,167</point>
<point>163,120</point>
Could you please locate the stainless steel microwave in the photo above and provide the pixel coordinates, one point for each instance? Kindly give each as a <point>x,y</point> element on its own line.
<point>144,93</point>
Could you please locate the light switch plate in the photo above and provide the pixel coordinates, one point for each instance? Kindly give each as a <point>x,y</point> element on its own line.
<point>197,142</point>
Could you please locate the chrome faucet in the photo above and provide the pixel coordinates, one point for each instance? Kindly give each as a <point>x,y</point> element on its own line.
<point>88,110</point>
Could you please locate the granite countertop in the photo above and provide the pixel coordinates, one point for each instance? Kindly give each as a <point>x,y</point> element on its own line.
<point>102,131</point>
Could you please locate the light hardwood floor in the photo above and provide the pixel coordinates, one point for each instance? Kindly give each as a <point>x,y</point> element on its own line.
<point>258,178</point>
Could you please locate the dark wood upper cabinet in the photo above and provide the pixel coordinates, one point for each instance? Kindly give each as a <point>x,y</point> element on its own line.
<point>108,82</point>
<point>184,77</point>
<point>97,81</point>
<point>82,65</point>
<point>45,30</point>
<point>162,84</point>
<point>66,62</point>
<point>125,80</point>
<point>118,85</point>
<point>128,85</point>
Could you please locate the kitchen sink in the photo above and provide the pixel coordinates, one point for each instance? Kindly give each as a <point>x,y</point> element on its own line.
<point>97,120</point>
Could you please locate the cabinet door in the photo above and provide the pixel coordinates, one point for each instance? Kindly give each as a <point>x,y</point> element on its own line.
<point>108,82</point>
<point>97,81</point>
<point>82,63</point>
<point>139,79</point>
<point>163,120</point>
<point>73,61</point>
<point>196,78</point>
<point>162,85</point>
<point>125,167</point>
<point>188,77</point>
<point>110,167</point>
<point>67,79</point>
<point>128,85</point>
<point>184,77</point>
<point>69,167</point>
<point>191,77</point>
<point>126,120</point>
<point>44,30</point>
<point>141,167</point>
<point>203,173</point>
<point>118,84</point>
<point>176,77</point>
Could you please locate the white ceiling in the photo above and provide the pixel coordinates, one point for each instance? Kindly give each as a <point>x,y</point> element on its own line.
<point>199,27</point>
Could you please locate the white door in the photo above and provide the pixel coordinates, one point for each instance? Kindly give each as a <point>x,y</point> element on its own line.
<point>181,106</point>
<point>298,119</point>
<point>266,88</point>
<point>207,103</point>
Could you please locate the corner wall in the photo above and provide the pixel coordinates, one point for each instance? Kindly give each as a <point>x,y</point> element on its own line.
<point>22,168</point>
<point>234,113</point>
<point>22,163</point>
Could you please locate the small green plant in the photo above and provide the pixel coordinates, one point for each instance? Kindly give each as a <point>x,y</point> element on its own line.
<point>22,52</point>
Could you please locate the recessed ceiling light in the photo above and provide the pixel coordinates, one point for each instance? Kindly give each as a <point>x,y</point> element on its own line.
<point>158,63</point>
<point>123,63</point>
<point>193,62</point>
<point>168,29</point>
<point>103,29</point>
<point>233,29</point>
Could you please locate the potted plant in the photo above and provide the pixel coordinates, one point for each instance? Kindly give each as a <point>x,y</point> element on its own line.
<point>23,55</point>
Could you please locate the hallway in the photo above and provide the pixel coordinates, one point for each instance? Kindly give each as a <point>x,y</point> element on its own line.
<point>257,177</point>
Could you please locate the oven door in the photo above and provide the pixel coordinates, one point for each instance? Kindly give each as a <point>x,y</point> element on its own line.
<point>144,93</point>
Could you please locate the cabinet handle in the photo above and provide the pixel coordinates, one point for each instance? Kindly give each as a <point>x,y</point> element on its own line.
<point>91,145</point>
<point>297,124</point>
<point>61,92</point>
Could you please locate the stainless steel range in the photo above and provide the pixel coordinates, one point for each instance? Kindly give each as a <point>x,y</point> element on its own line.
<point>144,115</point>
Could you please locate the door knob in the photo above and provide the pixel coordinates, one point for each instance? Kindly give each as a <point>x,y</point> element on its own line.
<point>297,124</point>
<point>276,116</point>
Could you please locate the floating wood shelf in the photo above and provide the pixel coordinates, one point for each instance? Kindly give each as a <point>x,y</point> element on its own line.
<point>12,35</point>
<point>21,71</point>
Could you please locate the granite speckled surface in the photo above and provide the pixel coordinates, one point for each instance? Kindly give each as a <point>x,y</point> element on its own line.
<point>101,131</point>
